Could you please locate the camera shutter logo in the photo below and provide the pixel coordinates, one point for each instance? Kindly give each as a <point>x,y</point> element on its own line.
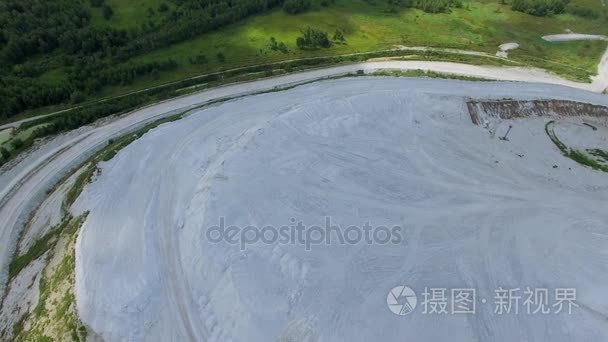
<point>401,300</point>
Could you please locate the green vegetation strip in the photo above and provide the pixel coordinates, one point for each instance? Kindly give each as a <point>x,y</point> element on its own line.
<point>55,318</point>
<point>38,249</point>
<point>601,154</point>
<point>585,158</point>
<point>59,315</point>
<point>81,181</point>
<point>427,73</point>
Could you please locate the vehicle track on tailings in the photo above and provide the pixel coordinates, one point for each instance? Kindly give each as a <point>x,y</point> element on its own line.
<point>179,285</point>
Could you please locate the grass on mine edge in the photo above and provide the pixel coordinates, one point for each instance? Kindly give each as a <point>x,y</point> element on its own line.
<point>576,155</point>
<point>429,74</point>
<point>60,318</point>
<point>69,227</point>
<point>48,241</point>
<point>45,243</point>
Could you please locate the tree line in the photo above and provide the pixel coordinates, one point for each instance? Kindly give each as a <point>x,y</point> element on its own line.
<point>429,6</point>
<point>540,8</point>
<point>93,56</point>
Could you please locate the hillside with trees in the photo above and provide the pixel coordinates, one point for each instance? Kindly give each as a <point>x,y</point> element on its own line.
<point>63,52</point>
<point>62,31</point>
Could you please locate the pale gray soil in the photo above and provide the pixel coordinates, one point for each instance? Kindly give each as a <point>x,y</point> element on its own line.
<point>22,296</point>
<point>478,213</point>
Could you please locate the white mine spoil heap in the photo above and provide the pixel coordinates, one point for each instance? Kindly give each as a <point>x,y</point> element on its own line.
<point>476,211</point>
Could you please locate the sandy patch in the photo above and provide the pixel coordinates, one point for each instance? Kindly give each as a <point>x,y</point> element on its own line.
<point>503,49</point>
<point>564,37</point>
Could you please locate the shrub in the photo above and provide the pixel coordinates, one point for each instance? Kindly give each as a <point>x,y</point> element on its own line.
<point>339,36</point>
<point>437,6</point>
<point>278,46</point>
<point>540,8</point>
<point>107,12</point>
<point>429,6</point>
<point>296,6</point>
<point>96,3</point>
<point>583,12</point>
<point>313,39</point>
<point>5,153</point>
<point>163,7</point>
<point>199,59</point>
<point>77,97</point>
<point>220,57</point>
<point>17,143</point>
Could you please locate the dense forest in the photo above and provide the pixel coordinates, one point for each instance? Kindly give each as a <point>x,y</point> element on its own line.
<point>95,57</point>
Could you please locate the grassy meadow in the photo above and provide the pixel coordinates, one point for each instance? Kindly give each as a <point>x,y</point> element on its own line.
<point>368,25</point>
<point>480,26</point>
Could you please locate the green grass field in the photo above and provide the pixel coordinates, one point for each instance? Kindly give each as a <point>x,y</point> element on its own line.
<point>480,26</point>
